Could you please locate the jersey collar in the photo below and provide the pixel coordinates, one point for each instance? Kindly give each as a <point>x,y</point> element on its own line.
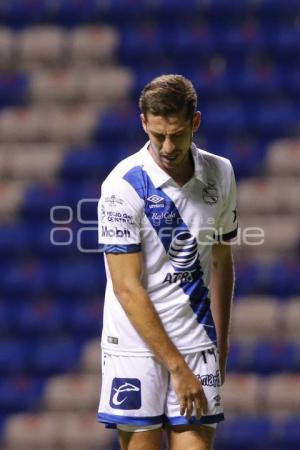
<point>160,177</point>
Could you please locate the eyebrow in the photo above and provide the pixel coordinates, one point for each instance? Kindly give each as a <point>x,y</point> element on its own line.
<point>156,133</point>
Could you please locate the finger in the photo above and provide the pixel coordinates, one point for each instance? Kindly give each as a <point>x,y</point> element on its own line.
<point>182,407</point>
<point>204,403</point>
<point>189,409</point>
<point>198,407</point>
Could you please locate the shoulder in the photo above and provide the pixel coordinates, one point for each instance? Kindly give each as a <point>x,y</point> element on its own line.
<point>215,164</point>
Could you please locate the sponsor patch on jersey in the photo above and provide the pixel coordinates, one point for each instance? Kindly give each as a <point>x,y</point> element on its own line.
<point>115,232</point>
<point>113,201</point>
<point>156,201</point>
<point>112,340</point>
<point>125,393</point>
<point>183,251</point>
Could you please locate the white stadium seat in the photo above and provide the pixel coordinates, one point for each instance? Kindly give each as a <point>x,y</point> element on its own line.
<point>241,394</point>
<point>12,193</point>
<point>280,234</point>
<point>41,45</point>
<point>255,318</point>
<point>93,44</point>
<point>108,84</point>
<point>53,431</point>
<point>35,161</point>
<point>6,46</point>
<point>91,357</point>
<point>72,393</point>
<point>282,394</point>
<point>269,195</point>
<point>291,317</point>
<point>55,85</point>
<point>32,431</point>
<point>283,157</point>
<point>54,124</point>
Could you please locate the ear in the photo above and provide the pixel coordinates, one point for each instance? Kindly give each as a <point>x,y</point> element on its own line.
<point>196,121</point>
<point>144,122</point>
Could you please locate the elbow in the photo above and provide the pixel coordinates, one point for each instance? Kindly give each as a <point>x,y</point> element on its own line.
<point>124,291</point>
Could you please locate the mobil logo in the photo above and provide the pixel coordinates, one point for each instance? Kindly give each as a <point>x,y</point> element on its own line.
<point>115,232</point>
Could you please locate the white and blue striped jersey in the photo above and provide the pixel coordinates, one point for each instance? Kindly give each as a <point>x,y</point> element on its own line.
<point>142,209</point>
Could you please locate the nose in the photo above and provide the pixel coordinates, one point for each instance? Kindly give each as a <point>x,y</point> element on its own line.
<point>168,146</point>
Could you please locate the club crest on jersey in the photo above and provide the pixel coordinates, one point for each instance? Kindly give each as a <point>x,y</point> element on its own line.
<point>156,201</point>
<point>125,393</point>
<point>210,194</point>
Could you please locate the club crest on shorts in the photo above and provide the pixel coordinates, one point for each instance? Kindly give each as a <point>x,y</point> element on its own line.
<point>125,393</point>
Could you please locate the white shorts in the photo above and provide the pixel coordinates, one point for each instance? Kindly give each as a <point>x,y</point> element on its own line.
<point>136,391</point>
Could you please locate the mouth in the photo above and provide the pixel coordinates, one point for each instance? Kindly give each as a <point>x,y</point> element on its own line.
<point>170,158</point>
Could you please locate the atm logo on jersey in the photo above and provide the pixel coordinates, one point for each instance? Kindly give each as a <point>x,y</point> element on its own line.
<point>125,393</point>
<point>115,232</point>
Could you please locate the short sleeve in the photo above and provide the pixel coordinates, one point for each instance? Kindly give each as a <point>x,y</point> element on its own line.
<point>227,225</point>
<point>119,217</point>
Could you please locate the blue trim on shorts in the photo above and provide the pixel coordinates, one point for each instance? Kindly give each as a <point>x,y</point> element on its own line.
<point>181,420</point>
<point>112,420</point>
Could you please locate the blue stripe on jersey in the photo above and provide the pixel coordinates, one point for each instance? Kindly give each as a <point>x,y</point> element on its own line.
<point>119,248</point>
<point>175,239</point>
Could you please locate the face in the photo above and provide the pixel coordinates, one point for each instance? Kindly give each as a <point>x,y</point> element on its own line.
<point>170,139</point>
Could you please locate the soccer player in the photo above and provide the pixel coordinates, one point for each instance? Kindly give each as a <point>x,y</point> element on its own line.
<point>166,216</point>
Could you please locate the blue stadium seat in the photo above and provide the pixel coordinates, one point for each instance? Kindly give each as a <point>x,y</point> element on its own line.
<point>289,434</point>
<point>14,356</point>
<point>40,318</point>
<point>20,393</point>
<point>93,162</point>
<point>85,318</point>
<point>53,356</point>
<point>118,126</point>
<point>245,433</point>
<point>271,357</point>
<point>24,278</point>
<point>13,89</point>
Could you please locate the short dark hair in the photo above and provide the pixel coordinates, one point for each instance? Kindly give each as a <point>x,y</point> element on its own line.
<point>169,94</point>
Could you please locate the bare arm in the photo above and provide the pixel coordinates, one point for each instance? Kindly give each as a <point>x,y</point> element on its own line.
<point>126,270</point>
<point>222,283</point>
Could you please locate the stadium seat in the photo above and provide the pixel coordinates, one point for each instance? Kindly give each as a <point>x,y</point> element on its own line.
<point>245,433</point>
<point>6,46</point>
<point>91,357</point>
<point>255,318</point>
<point>35,163</point>
<point>282,395</point>
<point>91,44</point>
<point>40,318</point>
<point>13,89</point>
<point>283,157</point>
<point>81,431</point>
<point>241,394</point>
<point>41,45</point>
<point>291,318</point>
<point>32,431</point>
<point>20,393</point>
<point>11,198</point>
<point>51,356</point>
<point>276,356</point>
<point>14,356</point>
<point>72,393</point>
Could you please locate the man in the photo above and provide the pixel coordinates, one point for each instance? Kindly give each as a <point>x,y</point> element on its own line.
<point>166,214</point>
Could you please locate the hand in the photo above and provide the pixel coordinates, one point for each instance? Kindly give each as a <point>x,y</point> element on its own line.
<point>189,392</point>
